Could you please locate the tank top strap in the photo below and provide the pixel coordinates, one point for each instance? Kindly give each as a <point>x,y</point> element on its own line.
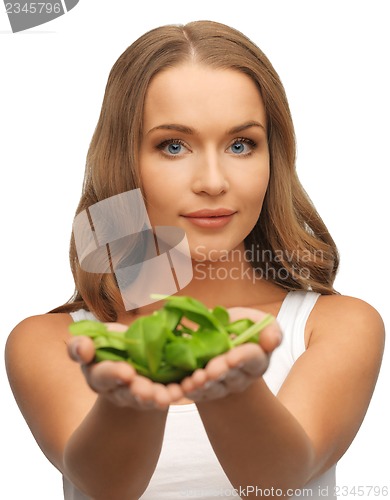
<point>82,314</point>
<point>292,318</point>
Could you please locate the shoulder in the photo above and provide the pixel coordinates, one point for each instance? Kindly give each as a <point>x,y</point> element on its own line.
<point>338,317</point>
<point>53,326</point>
<point>28,337</point>
<point>343,309</point>
<point>34,340</point>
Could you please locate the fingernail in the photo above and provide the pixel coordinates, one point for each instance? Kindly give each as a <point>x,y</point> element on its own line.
<point>120,383</point>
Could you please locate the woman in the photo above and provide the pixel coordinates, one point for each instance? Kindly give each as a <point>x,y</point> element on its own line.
<point>196,117</point>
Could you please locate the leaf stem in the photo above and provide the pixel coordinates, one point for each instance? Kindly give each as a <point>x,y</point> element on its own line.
<point>252,330</point>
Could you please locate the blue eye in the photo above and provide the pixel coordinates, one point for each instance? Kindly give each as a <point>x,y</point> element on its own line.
<point>172,147</point>
<point>238,147</point>
<point>243,147</point>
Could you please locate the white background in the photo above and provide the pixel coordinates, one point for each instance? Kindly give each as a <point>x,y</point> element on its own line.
<point>333,57</point>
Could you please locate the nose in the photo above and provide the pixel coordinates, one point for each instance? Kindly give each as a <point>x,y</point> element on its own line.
<point>210,177</point>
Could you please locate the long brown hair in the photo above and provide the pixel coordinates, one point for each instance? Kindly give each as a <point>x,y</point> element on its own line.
<point>289,234</point>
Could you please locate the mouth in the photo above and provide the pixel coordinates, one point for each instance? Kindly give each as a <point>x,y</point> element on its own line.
<point>210,218</point>
<point>206,212</point>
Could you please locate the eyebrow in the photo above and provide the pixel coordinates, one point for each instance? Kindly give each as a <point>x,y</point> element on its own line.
<point>189,131</point>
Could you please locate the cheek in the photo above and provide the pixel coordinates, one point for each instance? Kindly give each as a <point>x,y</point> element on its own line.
<point>160,192</point>
<point>255,190</point>
<point>162,184</point>
<point>154,187</point>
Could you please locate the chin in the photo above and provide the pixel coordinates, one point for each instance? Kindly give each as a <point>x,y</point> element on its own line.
<point>202,251</point>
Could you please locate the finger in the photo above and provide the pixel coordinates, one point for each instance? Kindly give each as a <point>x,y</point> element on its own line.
<point>151,395</point>
<point>81,349</point>
<point>216,367</point>
<point>108,375</point>
<point>250,358</point>
<point>142,388</point>
<point>125,395</point>
<point>175,391</point>
<point>162,396</point>
<point>242,353</point>
<point>144,394</point>
<point>125,398</point>
<point>195,380</point>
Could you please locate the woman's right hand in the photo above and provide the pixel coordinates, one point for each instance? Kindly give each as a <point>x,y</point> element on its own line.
<point>118,381</point>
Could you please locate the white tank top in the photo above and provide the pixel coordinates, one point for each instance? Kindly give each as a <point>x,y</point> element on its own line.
<point>187,466</point>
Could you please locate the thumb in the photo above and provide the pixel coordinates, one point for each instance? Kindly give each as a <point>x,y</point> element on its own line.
<point>271,337</point>
<point>81,349</point>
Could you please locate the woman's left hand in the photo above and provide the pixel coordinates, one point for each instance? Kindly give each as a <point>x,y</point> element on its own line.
<point>236,369</point>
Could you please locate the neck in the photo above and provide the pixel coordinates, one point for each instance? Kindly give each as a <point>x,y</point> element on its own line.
<point>228,281</point>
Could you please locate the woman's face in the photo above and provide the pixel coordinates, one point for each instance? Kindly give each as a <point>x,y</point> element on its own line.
<point>204,158</point>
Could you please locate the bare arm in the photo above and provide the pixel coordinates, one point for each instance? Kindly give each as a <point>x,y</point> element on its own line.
<point>285,441</point>
<point>114,451</point>
<point>104,444</point>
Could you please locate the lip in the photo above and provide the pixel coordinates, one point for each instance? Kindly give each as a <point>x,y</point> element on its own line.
<point>210,218</point>
<point>209,212</point>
